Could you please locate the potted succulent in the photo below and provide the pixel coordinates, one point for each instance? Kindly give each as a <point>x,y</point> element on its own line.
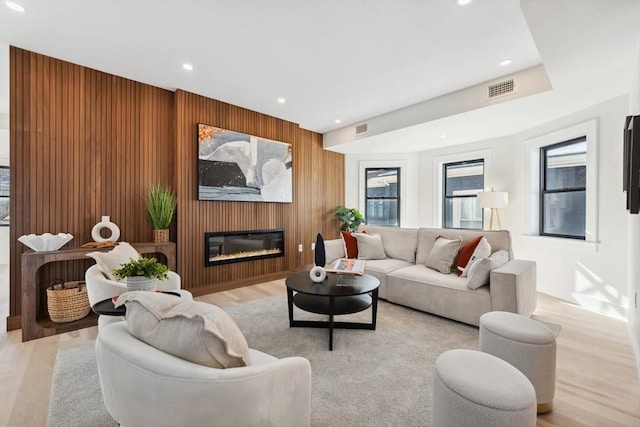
<point>161,204</point>
<point>142,274</point>
<point>351,218</point>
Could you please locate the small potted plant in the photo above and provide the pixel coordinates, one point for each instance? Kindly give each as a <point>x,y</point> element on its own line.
<point>161,204</point>
<point>350,218</point>
<point>142,274</point>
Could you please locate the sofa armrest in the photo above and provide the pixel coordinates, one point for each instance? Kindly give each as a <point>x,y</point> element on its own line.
<point>333,250</point>
<point>513,287</point>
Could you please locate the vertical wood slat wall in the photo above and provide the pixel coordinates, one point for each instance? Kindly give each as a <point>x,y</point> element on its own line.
<point>84,144</point>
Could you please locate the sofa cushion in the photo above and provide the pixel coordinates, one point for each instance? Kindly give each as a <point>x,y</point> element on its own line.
<point>466,251</point>
<point>443,253</point>
<point>386,265</point>
<point>399,243</point>
<point>479,271</point>
<point>483,250</point>
<point>195,331</point>
<point>350,244</point>
<point>498,239</point>
<point>113,259</point>
<point>370,246</point>
<point>333,250</point>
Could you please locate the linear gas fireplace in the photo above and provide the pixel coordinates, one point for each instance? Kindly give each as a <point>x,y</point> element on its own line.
<point>237,246</point>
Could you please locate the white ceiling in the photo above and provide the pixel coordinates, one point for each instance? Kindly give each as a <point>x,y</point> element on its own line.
<point>352,60</point>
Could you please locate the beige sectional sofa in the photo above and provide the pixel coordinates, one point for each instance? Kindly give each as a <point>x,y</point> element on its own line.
<point>404,278</point>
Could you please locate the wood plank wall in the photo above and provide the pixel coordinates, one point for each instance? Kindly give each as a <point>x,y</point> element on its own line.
<point>84,144</point>
<point>315,195</point>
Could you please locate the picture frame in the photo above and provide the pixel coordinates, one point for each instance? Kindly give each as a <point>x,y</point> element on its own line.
<point>235,166</point>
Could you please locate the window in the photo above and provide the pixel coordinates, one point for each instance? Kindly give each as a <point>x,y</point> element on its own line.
<point>382,196</point>
<point>4,196</point>
<point>563,181</point>
<point>462,182</point>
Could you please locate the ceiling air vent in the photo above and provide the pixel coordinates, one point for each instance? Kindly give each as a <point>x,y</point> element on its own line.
<point>360,129</point>
<point>503,88</point>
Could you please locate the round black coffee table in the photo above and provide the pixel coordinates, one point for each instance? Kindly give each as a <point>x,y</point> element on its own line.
<point>337,294</point>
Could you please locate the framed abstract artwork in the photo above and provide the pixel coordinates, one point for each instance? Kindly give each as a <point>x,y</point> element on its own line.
<point>240,167</point>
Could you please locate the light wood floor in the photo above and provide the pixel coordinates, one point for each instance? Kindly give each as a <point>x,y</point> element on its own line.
<point>596,381</point>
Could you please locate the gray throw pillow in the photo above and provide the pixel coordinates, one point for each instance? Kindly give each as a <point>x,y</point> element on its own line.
<point>443,254</point>
<point>480,270</point>
<point>370,246</point>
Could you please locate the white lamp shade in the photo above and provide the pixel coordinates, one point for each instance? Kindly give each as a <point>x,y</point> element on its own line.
<point>493,199</point>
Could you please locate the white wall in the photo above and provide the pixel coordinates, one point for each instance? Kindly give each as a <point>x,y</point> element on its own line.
<point>634,242</point>
<point>592,275</point>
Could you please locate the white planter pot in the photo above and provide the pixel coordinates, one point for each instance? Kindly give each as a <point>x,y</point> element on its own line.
<point>141,283</point>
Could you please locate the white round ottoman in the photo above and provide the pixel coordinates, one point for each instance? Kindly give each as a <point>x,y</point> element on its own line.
<point>471,388</point>
<point>528,345</point>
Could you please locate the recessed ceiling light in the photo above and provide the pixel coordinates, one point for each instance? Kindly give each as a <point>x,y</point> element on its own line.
<point>338,121</point>
<point>187,67</point>
<point>443,136</point>
<point>505,62</point>
<point>14,6</point>
<point>281,100</point>
<point>463,2</point>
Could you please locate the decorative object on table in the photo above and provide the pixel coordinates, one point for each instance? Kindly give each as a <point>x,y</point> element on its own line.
<point>68,301</point>
<point>320,256</point>
<point>161,204</point>
<point>318,274</point>
<point>351,218</point>
<point>105,223</point>
<point>241,167</point>
<point>493,200</point>
<point>45,242</point>
<point>142,274</point>
<point>348,266</point>
<point>100,245</point>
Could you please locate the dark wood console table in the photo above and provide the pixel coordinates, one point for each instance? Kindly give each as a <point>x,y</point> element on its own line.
<point>32,328</point>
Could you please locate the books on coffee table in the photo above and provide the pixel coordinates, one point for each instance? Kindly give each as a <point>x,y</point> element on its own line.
<point>348,266</point>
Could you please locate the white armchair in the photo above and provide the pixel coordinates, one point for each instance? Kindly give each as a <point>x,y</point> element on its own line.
<point>100,288</point>
<point>144,386</point>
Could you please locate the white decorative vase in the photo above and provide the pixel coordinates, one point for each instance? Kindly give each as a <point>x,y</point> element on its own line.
<point>141,283</point>
<point>105,223</point>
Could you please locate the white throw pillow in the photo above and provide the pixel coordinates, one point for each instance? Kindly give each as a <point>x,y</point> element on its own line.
<point>370,246</point>
<point>112,260</point>
<point>443,254</point>
<point>483,250</point>
<point>479,271</point>
<point>195,331</point>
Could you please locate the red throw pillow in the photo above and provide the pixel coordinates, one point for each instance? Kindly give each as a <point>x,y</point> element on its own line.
<point>350,244</point>
<point>465,254</point>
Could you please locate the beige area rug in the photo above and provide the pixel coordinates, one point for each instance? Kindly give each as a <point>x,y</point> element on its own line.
<point>371,378</point>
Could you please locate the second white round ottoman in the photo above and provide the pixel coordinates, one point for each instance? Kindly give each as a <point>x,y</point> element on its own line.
<point>471,388</point>
<point>528,345</point>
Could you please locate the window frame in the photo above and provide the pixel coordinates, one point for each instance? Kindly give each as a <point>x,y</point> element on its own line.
<point>398,170</point>
<point>444,190</point>
<point>543,186</point>
<point>588,129</point>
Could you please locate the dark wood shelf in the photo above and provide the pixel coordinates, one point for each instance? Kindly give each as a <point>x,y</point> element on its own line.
<point>33,326</point>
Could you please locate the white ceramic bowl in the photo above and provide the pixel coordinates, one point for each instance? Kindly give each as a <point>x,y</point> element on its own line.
<point>45,242</point>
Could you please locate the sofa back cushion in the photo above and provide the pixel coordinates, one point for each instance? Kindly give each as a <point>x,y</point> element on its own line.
<point>498,239</point>
<point>399,243</point>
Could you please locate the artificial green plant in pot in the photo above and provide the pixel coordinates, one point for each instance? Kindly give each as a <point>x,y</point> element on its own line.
<point>351,218</point>
<point>161,204</point>
<point>142,274</point>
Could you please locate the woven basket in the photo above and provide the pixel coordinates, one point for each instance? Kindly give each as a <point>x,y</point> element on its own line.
<point>68,301</point>
<point>160,236</point>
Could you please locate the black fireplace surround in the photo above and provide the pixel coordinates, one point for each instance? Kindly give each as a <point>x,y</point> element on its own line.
<point>238,246</point>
